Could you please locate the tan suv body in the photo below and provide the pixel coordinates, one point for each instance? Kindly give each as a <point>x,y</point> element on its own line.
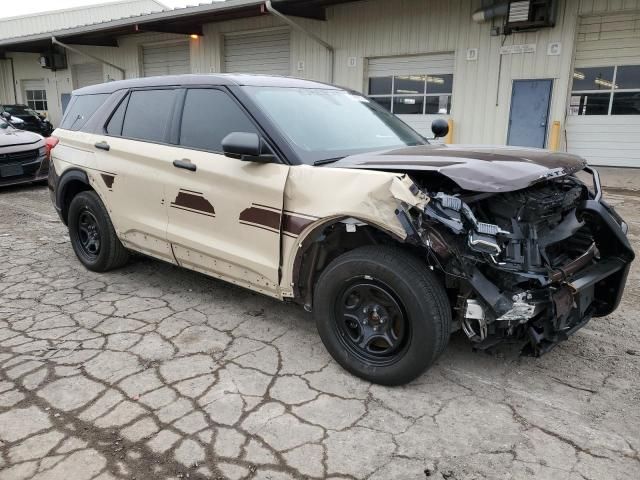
<point>304,191</point>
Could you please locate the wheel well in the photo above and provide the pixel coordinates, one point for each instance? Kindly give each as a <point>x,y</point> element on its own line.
<point>328,242</point>
<point>71,189</point>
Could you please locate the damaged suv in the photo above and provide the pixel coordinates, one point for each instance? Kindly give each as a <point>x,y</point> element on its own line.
<point>310,193</point>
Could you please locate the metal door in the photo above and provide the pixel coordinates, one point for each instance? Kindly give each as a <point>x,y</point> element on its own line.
<point>529,116</point>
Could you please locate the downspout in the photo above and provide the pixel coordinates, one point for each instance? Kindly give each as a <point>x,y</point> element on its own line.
<point>305,32</point>
<point>80,52</point>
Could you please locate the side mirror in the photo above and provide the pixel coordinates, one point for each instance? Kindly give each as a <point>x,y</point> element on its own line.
<point>6,115</point>
<point>245,146</point>
<point>440,128</point>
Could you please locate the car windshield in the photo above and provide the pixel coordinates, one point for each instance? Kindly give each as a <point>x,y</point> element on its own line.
<point>19,110</point>
<point>324,125</point>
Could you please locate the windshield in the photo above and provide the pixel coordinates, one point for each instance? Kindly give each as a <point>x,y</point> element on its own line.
<point>323,124</point>
<point>19,110</point>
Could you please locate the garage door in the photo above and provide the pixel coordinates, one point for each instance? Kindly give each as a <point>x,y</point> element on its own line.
<point>417,88</point>
<point>86,74</point>
<point>265,53</point>
<point>166,59</point>
<point>604,111</point>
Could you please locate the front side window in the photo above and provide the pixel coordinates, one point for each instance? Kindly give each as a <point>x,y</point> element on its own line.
<point>148,115</point>
<point>323,124</point>
<point>37,99</point>
<point>81,111</point>
<point>610,90</point>
<point>209,115</point>
<point>418,94</point>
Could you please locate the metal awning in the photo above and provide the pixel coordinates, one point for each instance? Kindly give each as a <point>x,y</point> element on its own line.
<point>188,20</point>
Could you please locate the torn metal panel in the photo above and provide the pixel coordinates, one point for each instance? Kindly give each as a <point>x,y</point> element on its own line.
<point>527,263</point>
<point>373,197</point>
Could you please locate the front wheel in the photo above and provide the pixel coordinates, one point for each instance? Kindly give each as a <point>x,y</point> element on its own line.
<point>93,237</point>
<point>382,314</point>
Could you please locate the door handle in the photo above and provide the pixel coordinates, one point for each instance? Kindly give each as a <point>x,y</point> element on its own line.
<point>186,164</point>
<point>103,146</point>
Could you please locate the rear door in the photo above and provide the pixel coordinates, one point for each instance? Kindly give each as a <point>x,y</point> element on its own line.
<point>133,163</point>
<point>224,214</point>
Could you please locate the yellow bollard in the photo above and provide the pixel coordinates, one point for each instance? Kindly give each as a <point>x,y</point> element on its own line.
<point>554,138</point>
<point>448,139</point>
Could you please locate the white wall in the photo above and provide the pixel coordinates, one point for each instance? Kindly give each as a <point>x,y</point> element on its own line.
<point>27,67</point>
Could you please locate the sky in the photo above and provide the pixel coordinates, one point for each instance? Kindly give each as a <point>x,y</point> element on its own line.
<point>11,8</point>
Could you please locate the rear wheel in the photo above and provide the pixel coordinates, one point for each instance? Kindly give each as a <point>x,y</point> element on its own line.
<point>93,237</point>
<point>382,314</point>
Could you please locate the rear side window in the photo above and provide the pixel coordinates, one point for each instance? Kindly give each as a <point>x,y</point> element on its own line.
<point>209,116</point>
<point>148,115</point>
<point>81,110</point>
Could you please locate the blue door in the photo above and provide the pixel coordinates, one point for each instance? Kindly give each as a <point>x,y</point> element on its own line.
<point>529,116</point>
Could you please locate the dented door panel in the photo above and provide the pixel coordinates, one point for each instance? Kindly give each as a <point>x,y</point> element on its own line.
<point>224,218</point>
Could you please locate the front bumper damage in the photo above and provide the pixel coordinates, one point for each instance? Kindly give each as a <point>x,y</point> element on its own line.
<point>507,288</point>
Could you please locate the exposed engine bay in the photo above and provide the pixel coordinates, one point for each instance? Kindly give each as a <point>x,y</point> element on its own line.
<point>531,265</point>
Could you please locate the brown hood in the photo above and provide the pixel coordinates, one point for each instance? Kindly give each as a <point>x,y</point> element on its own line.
<point>476,168</point>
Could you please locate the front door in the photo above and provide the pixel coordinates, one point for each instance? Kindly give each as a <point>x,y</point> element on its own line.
<point>529,116</point>
<point>224,213</point>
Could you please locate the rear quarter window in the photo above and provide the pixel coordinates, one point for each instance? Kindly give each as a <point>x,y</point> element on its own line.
<point>81,109</point>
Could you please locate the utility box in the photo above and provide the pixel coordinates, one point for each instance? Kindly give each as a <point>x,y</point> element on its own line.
<point>530,15</point>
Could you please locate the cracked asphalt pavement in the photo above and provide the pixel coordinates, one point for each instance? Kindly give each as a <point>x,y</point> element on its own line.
<point>153,372</point>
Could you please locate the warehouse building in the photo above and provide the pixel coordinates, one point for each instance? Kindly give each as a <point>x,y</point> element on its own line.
<point>562,74</point>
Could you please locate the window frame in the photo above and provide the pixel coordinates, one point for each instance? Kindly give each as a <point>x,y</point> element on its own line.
<point>610,91</point>
<point>392,95</point>
<point>43,100</point>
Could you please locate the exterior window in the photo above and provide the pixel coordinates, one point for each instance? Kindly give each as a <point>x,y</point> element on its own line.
<point>612,90</point>
<point>114,127</point>
<point>413,94</point>
<point>37,99</point>
<point>148,115</point>
<point>210,115</point>
<point>81,111</point>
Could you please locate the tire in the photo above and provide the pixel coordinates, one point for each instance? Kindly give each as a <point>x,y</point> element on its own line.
<point>89,221</point>
<point>388,288</point>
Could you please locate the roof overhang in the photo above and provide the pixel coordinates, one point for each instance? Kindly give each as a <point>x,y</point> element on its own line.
<point>187,21</point>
